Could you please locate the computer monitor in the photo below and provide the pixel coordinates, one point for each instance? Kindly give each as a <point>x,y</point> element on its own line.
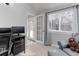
<point>18,29</point>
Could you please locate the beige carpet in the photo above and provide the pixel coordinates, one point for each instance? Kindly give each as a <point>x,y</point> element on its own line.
<point>35,49</point>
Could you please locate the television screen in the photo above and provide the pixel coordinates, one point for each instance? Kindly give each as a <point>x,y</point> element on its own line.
<point>18,29</point>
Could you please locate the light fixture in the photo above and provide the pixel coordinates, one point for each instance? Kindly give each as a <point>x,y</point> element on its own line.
<point>7,4</point>
<point>4,3</point>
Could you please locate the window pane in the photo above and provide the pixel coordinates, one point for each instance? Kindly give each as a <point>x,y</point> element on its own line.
<point>66,20</point>
<point>53,22</point>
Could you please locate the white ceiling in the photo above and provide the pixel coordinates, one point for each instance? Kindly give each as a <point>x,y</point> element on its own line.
<point>47,7</point>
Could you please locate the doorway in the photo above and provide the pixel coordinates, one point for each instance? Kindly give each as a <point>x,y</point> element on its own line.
<point>31,27</point>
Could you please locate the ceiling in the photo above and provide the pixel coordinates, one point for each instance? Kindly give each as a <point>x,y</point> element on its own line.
<point>39,8</point>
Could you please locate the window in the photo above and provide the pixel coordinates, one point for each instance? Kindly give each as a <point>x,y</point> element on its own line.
<point>66,20</point>
<point>61,20</point>
<point>54,22</point>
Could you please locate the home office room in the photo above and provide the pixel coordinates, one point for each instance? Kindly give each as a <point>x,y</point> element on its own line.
<point>39,29</point>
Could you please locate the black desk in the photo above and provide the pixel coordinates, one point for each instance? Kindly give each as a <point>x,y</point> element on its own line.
<point>18,44</point>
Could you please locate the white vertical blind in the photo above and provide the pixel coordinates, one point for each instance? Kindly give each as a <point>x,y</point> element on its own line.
<point>75,24</point>
<point>67,20</point>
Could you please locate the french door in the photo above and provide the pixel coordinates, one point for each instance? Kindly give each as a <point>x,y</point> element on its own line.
<point>40,29</point>
<point>36,28</point>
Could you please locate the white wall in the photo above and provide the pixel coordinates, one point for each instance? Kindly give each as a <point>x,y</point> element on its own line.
<point>53,37</point>
<point>14,15</point>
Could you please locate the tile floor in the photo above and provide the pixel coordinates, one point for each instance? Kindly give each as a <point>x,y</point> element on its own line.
<point>35,49</point>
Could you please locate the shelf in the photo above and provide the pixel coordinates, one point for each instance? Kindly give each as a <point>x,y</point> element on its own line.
<point>20,44</point>
<point>16,36</point>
